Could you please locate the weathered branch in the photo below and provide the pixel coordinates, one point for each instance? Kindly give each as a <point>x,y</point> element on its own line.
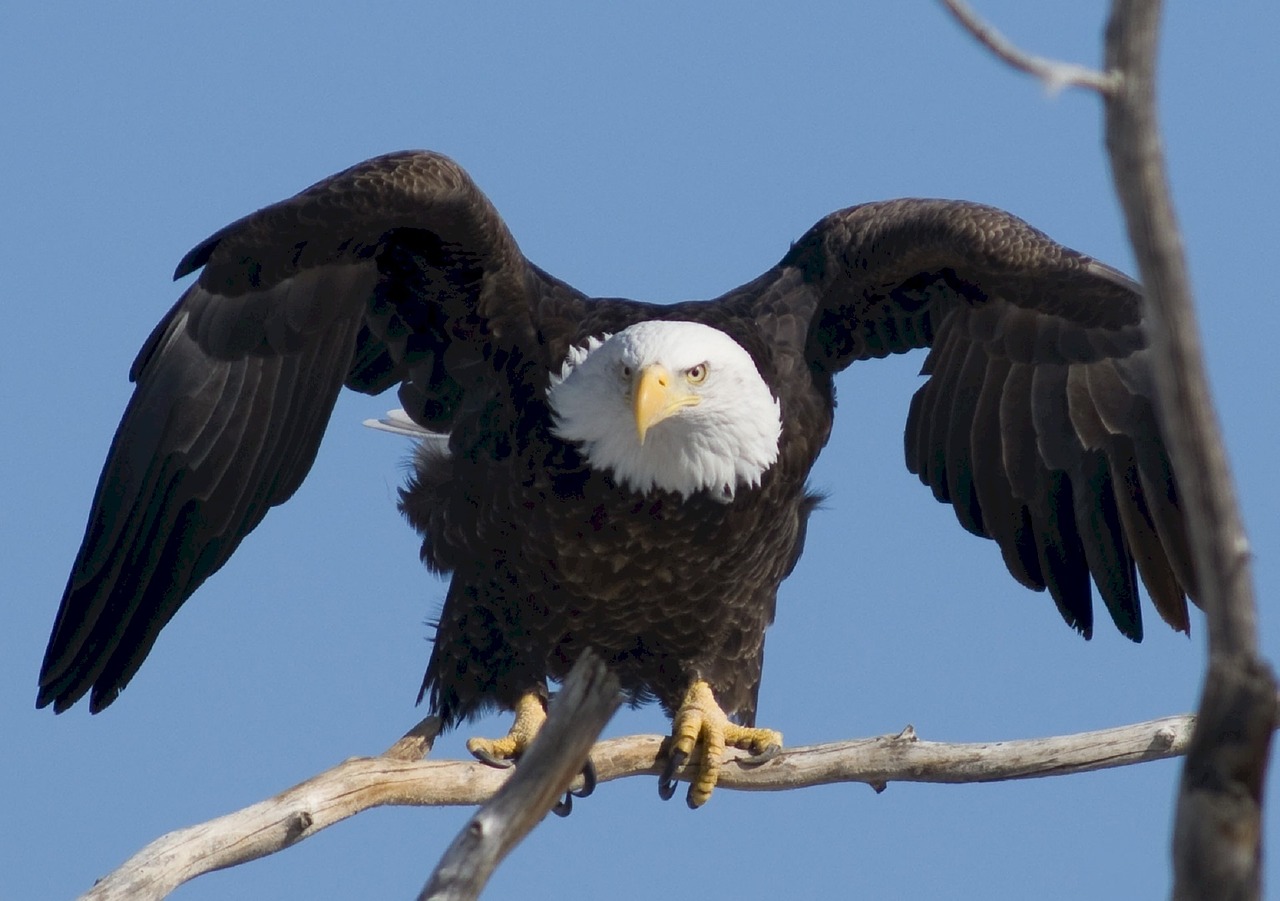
<point>589,698</point>
<point>1218,830</point>
<point>268,826</point>
<point>1056,75</point>
<point>364,782</point>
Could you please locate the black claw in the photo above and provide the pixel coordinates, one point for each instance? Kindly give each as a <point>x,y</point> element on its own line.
<point>501,763</point>
<point>564,806</point>
<point>667,781</point>
<point>688,799</point>
<point>764,756</point>
<point>666,789</point>
<point>588,781</point>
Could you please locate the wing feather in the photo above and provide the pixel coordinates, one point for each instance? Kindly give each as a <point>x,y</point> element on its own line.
<point>396,270</point>
<point>1036,419</point>
<point>1002,512</point>
<point>958,451</point>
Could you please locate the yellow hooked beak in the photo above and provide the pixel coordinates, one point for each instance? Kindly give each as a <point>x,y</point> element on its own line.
<point>656,396</point>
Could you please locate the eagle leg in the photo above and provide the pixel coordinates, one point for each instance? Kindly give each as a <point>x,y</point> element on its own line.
<point>701,721</point>
<point>531,713</point>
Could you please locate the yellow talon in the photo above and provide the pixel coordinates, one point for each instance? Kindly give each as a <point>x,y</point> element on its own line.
<point>530,715</point>
<point>701,721</point>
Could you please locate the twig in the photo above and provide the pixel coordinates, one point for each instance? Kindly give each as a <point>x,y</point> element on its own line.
<point>1055,75</point>
<point>590,696</point>
<point>365,782</point>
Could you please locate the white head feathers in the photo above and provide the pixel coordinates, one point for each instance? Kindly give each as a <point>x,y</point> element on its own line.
<point>677,406</point>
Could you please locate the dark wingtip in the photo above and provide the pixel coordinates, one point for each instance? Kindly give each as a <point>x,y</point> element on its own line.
<point>101,700</point>
<point>63,694</point>
<point>1130,627</point>
<point>52,691</point>
<point>58,696</point>
<point>63,683</point>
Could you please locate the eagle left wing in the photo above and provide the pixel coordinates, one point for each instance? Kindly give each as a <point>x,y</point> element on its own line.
<point>397,270</point>
<point>1037,420</point>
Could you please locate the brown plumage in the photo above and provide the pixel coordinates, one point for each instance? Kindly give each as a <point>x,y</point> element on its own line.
<point>1036,424</point>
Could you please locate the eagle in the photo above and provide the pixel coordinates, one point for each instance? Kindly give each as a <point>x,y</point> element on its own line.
<point>613,475</point>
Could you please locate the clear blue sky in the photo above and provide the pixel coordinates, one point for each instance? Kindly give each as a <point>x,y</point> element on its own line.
<point>661,151</point>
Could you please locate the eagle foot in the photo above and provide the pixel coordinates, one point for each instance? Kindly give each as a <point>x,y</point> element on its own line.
<point>701,722</point>
<point>588,781</point>
<point>503,752</point>
<point>531,713</point>
<point>770,751</point>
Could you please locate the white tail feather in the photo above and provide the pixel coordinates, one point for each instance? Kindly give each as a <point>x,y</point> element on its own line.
<point>397,422</point>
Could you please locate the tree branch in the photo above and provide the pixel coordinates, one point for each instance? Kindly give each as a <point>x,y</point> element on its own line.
<point>589,698</point>
<point>268,826</point>
<point>1055,75</point>
<point>363,782</point>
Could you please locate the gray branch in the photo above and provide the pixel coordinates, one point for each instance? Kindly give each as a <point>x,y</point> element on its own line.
<point>1056,75</point>
<point>361,783</point>
<point>589,698</point>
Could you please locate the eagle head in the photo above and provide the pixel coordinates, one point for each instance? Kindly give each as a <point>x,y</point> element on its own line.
<point>668,405</point>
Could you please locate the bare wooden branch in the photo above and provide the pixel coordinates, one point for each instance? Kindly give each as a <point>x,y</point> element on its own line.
<point>588,700</point>
<point>365,782</point>
<point>416,743</point>
<point>1056,75</point>
<point>268,826</point>
<point>1218,831</point>
<point>1217,835</point>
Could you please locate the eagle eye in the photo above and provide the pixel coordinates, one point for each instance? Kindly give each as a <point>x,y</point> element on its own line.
<point>696,375</point>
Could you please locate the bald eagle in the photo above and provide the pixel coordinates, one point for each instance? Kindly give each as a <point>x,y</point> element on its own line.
<point>617,475</point>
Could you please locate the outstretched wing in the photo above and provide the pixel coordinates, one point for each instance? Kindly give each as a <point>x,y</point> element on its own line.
<point>396,270</point>
<point>1037,421</point>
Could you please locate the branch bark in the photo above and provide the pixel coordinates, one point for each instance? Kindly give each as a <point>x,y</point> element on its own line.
<point>588,700</point>
<point>364,782</point>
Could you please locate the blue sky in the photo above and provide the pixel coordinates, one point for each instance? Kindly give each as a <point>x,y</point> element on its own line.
<point>661,151</point>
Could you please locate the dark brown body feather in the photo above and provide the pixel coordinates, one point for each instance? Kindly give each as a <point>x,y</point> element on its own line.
<point>1036,424</point>
<point>550,556</point>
